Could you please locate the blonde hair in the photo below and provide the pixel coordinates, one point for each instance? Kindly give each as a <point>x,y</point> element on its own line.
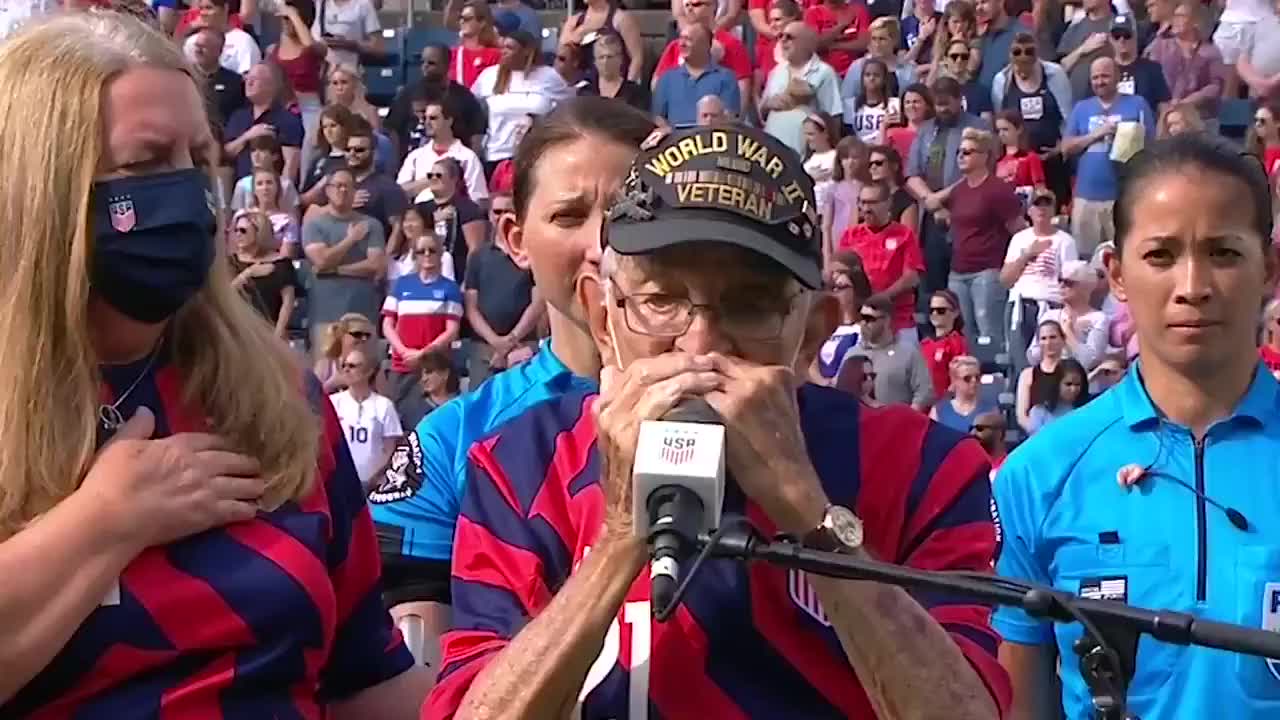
<point>960,362</point>
<point>1191,117</point>
<point>889,25</point>
<point>332,343</point>
<point>985,141</point>
<point>264,234</point>
<point>48,365</point>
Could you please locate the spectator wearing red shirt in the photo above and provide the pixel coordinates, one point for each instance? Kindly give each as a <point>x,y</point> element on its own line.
<point>984,213</point>
<point>769,27</point>
<point>1270,349</point>
<point>948,340</point>
<point>478,44</point>
<point>890,256</point>
<point>842,28</point>
<point>1263,138</point>
<point>1018,165</point>
<point>726,49</point>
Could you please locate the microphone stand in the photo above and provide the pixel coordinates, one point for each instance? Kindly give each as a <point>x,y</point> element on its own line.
<point>1107,650</point>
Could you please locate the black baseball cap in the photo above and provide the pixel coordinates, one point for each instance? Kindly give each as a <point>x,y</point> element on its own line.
<point>725,183</point>
<point>1123,25</point>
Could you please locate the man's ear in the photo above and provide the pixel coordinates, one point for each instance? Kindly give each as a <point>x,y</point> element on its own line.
<point>513,236</point>
<point>590,294</point>
<point>823,319</point>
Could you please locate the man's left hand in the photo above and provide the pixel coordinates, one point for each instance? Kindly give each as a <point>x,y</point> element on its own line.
<point>766,449</point>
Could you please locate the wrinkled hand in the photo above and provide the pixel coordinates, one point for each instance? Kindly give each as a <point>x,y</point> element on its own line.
<point>765,447</point>
<point>646,390</point>
<point>152,492</point>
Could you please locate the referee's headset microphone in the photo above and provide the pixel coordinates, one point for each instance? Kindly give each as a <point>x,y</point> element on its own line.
<point>1234,516</point>
<point>677,490</point>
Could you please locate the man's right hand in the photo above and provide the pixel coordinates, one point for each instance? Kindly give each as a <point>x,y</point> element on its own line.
<point>1036,247</point>
<point>152,492</point>
<point>1094,42</point>
<point>357,231</point>
<point>646,390</point>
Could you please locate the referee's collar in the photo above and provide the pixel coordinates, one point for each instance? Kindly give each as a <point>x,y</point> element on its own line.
<point>1259,404</point>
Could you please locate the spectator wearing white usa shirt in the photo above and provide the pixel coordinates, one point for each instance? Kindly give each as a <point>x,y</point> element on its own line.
<point>422,315</point>
<point>414,177</point>
<point>369,420</point>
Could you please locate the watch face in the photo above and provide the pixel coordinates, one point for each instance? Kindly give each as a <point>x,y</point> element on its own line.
<point>845,526</point>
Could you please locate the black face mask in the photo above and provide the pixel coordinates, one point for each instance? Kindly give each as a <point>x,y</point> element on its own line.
<point>153,242</point>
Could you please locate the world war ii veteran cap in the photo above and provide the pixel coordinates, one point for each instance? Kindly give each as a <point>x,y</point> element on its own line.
<point>727,184</point>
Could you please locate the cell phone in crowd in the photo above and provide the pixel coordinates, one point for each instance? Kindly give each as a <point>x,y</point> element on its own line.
<point>895,106</point>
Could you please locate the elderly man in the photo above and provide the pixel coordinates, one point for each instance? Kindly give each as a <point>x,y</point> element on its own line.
<point>711,111</point>
<point>797,87</point>
<point>678,91</point>
<point>263,116</point>
<point>705,290</point>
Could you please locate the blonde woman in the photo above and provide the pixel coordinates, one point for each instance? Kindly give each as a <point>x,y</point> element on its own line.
<point>187,528</point>
<point>352,331</point>
<point>263,275</point>
<point>960,408</point>
<point>346,88</point>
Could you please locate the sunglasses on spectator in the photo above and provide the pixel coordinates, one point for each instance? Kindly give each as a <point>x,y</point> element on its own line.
<point>875,163</point>
<point>966,152</point>
<point>1121,35</point>
<point>1022,52</point>
<point>958,57</point>
<point>357,149</point>
<point>787,36</point>
<point>869,318</point>
<point>968,378</point>
<point>427,251</point>
<point>1042,201</point>
<point>360,334</point>
<point>242,230</point>
<point>939,310</point>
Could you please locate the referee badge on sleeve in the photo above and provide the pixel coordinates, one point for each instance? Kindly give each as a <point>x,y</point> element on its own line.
<point>402,477</point>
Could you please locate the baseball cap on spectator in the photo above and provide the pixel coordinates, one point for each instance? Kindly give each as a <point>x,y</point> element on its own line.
<point>1081,273</point>
<point>506,23</point>
<point>503,181</point>
<point>1044,197</point>
<point>1123,25</point>
<point>729,184</point>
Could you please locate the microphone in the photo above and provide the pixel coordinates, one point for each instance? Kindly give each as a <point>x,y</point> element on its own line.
<point>1234,516</point>
<point>677,490</point>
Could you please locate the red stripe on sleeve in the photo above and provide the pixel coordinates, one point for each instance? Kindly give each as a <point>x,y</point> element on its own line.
<point>482,455</point>
<point>113,667</point>
<point>491,561</point>
<point>571,455</point>
<point>189,700</point>
<point>679,685</point>
<point>968,546</point>
<point>359,573</point>
<point>948,481</point>
<point>992,674</point>
<point>464,654</point>
<point>173,598</point>
<point>294,558</point>
<point>889,441</point>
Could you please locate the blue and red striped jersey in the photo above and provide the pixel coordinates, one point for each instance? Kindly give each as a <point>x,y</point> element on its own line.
<point>749,640</point>
<point>271,618</point>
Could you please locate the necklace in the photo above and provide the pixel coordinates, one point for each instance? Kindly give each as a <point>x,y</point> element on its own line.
<point>109,415</point>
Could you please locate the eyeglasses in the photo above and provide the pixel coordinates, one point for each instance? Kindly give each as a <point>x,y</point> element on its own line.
<point>869,318</point>
<point>1022,52</point>
<point>958,57</point>
<point>358,150</point>
<point>427,251</point>
<point>662,315</point>
<point>434,175</point>
<point>360,334</point>
<point>939,310</point>
<point>966,152</point>
<point>242,231</point>
<point>876,163</point>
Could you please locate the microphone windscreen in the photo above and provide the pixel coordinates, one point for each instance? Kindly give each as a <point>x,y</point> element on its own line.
<point>694,410</point>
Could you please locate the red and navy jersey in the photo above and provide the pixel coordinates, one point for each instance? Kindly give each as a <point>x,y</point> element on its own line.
<point>271,618</point>
<point>749,640</point>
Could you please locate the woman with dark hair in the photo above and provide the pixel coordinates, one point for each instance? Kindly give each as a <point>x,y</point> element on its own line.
<point>947,341</point>
<point>1176,458</point>
<point>1065,390</point>
<point>331,134</point>
<point>301,59</point>
<point>884,164</point>
<point>1033,381</point>
<point>866,111</point>
<point>565,173</point>
<point>1018,165</point>
<point>517,90</point>
<point>1263,138</point>
<point>901,124</point>
<point>263,275</point>
<point>438,382</point>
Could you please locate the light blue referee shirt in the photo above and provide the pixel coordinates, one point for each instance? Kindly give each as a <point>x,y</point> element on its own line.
<point>1067,523</point>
